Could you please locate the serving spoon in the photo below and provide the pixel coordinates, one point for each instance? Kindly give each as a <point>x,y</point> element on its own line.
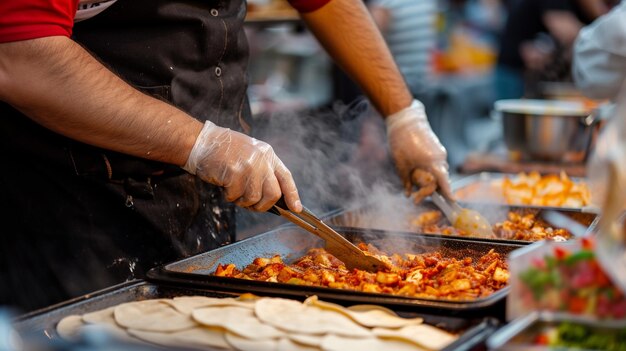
<point>461,218</point>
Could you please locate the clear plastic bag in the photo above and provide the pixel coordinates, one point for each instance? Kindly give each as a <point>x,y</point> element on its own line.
<point>607,176</point>
<point>562,277</point>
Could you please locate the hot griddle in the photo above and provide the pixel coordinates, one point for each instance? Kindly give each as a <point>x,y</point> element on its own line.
<point>291,243</point>
<point>41,324</point>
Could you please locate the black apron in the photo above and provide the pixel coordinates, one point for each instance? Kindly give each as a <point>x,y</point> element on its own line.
<point>79,218</point>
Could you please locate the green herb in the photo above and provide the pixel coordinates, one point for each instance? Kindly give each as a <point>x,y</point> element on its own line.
<point>536,280</point>
<point>580,256</point>
<point>576,336</point>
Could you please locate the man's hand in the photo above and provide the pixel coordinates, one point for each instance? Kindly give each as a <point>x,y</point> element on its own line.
<point>414,146</point>
<point>250,172</point>
<point>535,58</point>
<point>349,34</point>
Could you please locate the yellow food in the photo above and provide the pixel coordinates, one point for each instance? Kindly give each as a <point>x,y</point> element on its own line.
<point>549,190</point>
<point>518,226</point>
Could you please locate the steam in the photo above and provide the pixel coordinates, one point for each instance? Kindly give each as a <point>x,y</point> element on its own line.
<point>339,160</point>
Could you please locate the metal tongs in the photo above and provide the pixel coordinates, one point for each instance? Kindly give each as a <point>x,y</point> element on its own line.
<point>337,245</point>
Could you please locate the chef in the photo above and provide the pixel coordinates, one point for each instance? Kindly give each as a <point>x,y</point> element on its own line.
<point>123,133</point>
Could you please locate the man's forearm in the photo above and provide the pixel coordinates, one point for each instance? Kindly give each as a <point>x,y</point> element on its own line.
<point>348,33</point>
<point>59,85</point>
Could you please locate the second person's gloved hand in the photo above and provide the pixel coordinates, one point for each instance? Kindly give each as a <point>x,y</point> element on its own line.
<point>414,146</point>
<point>250,172</point>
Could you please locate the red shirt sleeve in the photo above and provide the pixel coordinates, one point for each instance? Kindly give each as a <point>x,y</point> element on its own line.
<point>308,5</point>
<point>30,19</point>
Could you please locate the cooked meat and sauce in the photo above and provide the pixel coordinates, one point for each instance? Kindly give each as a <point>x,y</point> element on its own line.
<point>518,226</point>
<point>428,275</point>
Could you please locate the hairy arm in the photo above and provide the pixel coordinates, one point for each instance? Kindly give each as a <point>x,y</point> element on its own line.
<point>347,31</point>
<point>59,85</point>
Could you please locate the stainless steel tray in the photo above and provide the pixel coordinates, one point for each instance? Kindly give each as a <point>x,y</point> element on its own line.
<point>43,321</point>
<point>291,243</point>
<point>480,186</point>
<point>41,324</point>
<point>519,334</point>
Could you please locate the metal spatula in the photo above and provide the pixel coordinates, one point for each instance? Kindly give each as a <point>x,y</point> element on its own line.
<point>336,244</point>
<point>462,218</point>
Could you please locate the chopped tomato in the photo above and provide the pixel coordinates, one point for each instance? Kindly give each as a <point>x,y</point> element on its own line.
<point>577,304</point>
<point>542,339</point>
<point>602,279</point>
<point>560,253</point>
<point>587,243</point>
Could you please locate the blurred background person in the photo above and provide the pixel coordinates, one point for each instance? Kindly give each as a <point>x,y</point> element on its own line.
<point>536,43</point>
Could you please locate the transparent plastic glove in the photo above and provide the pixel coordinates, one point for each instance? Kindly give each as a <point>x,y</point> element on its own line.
<point>607,177</point>
<point>414,146</point>
<point>250,172</point>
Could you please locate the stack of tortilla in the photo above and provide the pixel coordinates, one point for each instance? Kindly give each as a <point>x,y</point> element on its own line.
<point>260,324</point>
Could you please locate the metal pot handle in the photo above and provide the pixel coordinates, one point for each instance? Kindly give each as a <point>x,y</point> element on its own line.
<point>591,119</point>
<point>599,114</point>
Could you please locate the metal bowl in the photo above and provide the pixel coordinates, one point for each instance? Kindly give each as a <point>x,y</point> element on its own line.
<point>547,130</point>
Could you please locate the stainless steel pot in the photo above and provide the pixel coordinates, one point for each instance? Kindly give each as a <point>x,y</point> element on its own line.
<point>547,130</point>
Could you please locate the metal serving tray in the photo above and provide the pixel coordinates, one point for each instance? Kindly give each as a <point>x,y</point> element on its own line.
<point>478,188</point>
<point>520,333</point>
<point>292,242</point>
<point>42,323</point>
<point>372,219</point>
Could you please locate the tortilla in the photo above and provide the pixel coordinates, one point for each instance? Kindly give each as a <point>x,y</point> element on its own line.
<point>151,315</point>
<point>367,315</point>
<point>69,327</point>
<point>285,344</point>
<point>243,344</point>
<point>105,320</point>
<point>361,308</point>
<point>309,340</point>
<point>104,316</point>
<point>237,320</point>
<point>340,343</point>
<point>194,337</point>
<point>186,304</point>
<point>293,316</point>
<point>423,335</point>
